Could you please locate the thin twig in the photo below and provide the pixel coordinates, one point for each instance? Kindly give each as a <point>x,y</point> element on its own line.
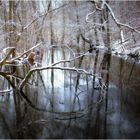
<point>87,16</point>
<point>34,20</point>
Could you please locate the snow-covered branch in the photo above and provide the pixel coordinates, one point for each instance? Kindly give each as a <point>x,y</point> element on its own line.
<point>80,71</point>
<point>119,24</point>
<point>37,45</point>
<point>52,66</point>
<point>89,14</point>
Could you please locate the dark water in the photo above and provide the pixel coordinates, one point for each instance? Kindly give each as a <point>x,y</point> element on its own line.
<point>76,105</point>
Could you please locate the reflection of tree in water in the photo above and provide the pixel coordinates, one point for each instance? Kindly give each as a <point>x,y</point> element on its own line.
<point>69,91</point>
<point>91,116</point>
<point>106,66</point>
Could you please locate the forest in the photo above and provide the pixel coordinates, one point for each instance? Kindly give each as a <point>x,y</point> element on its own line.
<point>69,69</point>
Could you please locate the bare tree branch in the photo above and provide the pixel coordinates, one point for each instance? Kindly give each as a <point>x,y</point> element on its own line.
<point>119,24</point>
<point>116,20</point>
<point>70,60</point>
<point>85,39</point>
<point>87,16</point>
<point>80,71</point>
<point>11,49</point>
<point>6,76</point>
<point>52,66</point>
<point>42,16</point>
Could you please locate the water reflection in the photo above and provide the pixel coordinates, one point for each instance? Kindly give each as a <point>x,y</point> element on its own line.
<point>78,105</point>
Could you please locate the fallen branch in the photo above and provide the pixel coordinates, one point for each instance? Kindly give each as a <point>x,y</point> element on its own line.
<point>26,52</point>
<point>52,66</point>
<point>80,71</point>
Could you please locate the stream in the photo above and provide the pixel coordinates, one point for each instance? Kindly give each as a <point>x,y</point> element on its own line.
<point>76,105</point>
